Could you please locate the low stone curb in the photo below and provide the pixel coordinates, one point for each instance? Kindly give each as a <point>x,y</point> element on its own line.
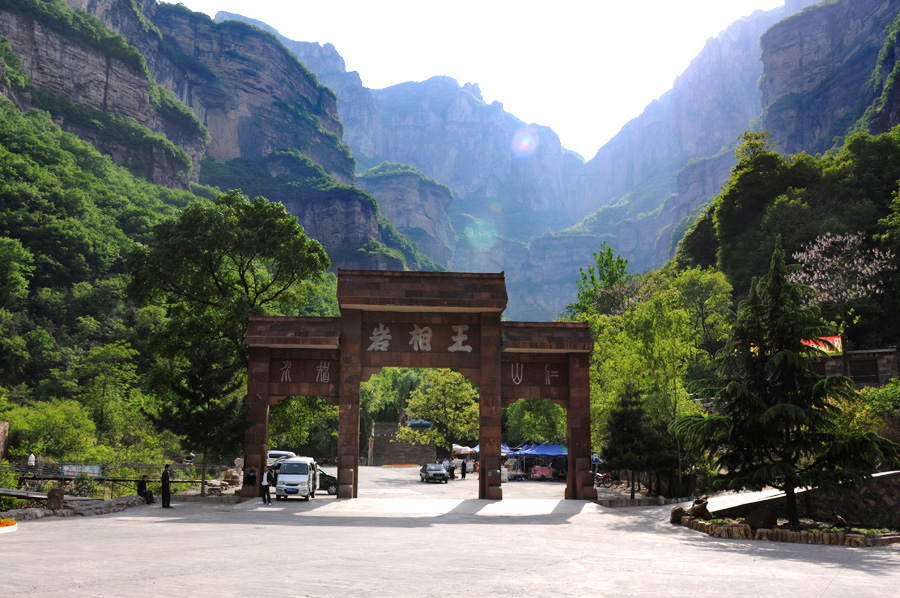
<point>72,508</point>
<point>742,531</point>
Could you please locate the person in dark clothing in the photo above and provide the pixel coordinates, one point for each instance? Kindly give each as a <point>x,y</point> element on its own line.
<point>166,489</point>
<point>143,492</point>
<point>251,476</point>
<point>265,480</point>
<point>462,468</point>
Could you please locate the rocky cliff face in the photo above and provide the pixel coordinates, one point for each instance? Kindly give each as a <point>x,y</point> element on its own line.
<point>709,105</point>
<point>418,207</point>
<point>356,106</point>
<point>450,134</point>
<point>816,65</point>
<point>80,74</point>
<point>252,95</point>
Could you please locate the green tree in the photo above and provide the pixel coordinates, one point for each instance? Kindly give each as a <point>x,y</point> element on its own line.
<point>105,378</point>
<point>449,401</point>
<point>535,420</point>
<point>15,271</point>
<point>601,287</point>
<point>305,425</point>
<point>213,266</point>
<point>217,263</point>
<point>776,419</point>
<point>628,445</point>
<point>204,404</point>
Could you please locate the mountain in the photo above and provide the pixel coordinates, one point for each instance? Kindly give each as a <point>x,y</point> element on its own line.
<point>180,99</point>
<point>632,194</point>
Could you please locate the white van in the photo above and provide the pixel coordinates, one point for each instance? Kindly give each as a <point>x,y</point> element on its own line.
<point>276,455</point>
<point>297,476</point>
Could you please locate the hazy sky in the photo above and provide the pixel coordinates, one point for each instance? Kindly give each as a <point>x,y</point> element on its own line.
<point>581,67</point>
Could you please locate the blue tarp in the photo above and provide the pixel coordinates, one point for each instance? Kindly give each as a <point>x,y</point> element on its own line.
<point>544,450</point>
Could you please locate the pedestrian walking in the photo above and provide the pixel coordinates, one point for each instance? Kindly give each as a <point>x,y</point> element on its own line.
<point>462,468</point>
<point>265,480</point>
<point>166,489</point>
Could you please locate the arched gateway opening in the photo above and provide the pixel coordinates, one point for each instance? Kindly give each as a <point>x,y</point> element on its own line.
<point>422,319</point>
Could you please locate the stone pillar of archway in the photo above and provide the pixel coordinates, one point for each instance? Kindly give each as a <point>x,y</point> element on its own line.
<point>257,435</point>
<point>489,399</point>
<point>580,481</point>
<point>348,403</point>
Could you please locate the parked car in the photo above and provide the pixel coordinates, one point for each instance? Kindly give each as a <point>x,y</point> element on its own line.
<point>434,472</point>
<point>327,482</point>
<point>276,455</point>
<point>297,476</point>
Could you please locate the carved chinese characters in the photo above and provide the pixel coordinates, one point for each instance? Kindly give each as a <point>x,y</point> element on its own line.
<point>312,373</point>
<point>454,338</point>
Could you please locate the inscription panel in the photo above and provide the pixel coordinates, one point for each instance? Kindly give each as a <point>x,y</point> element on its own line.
<point>304,373</point>
<point>406,340</point>
<point>529,376</point>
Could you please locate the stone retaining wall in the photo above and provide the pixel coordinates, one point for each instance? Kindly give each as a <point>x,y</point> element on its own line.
<point>742,531</point>
<point>73,508</point>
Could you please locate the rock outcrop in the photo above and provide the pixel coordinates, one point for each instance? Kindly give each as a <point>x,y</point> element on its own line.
<point>816,66</point>
<point>356,106</point>
<point>418,207</point>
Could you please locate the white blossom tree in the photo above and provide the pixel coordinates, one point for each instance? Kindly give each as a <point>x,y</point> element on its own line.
<point>839,270</point>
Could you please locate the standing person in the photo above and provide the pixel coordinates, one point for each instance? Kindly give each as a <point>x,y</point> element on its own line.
<point>31,461</point>
<point>265,481</point>
<point>462,468</point>
<point>166,489</point>
<point>143,492</point>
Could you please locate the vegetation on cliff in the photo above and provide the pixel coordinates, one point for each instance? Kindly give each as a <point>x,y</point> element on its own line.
<point>386,169</point>
<point>290,177</point>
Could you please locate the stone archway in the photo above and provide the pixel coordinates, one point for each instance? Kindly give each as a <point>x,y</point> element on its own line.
<point>421,319</point>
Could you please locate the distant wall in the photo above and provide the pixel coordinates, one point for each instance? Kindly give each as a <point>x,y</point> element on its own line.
<point>388,451</point>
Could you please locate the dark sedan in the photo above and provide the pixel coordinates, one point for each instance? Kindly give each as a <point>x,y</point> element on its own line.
<point>327,482</point>
<point>434,472</point>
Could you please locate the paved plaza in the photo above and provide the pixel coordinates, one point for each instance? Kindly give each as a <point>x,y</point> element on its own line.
<point>406,538</point>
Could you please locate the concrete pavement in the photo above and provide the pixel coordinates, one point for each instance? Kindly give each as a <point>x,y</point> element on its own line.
<point>405,538</point>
